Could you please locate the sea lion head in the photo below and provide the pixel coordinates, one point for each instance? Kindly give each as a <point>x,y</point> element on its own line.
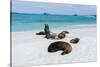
<point>46,24</point>
<point>52,48</point>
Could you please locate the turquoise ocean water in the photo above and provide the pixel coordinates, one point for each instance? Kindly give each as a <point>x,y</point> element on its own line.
<point>28,22</point>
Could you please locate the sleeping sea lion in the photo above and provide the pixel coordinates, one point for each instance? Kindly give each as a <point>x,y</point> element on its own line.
<point>62,34</point>
<point>75,40</point>
<point>60,45</point>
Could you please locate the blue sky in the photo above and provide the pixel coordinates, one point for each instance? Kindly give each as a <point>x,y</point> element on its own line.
<point>52,8</point>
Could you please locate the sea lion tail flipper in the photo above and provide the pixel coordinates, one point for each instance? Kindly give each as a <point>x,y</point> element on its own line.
<point>67,51</point>
<point>63,53</point>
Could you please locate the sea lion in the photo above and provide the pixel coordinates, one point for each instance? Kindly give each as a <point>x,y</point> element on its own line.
<point>62,34</point>
<point>40,33</point>
<point>47,31</point>
<point>60,45</point>
<point>75,40</point>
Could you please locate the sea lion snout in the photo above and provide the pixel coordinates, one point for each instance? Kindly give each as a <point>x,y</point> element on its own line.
<point>52,49</point>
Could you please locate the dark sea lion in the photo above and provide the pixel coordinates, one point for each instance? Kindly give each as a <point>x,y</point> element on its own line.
<point>47,31</point>
<point>40,33</point>
<point>75,40</point>
<point>60,45</point>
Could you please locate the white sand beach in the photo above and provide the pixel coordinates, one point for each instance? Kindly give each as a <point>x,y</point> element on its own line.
<point>31,49</point>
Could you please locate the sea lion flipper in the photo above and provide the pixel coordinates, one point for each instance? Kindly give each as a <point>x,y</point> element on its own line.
<point>66,51</point>
<point>63,53</point>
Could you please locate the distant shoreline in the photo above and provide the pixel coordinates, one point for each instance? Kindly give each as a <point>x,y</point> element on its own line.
<point>51,14</point>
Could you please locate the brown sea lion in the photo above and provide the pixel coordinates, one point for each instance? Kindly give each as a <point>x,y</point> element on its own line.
<point>60,45</point>
<point>62,34</point>
<point>75,40</point>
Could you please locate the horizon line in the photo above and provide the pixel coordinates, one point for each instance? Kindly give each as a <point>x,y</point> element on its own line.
<point>53,14</point>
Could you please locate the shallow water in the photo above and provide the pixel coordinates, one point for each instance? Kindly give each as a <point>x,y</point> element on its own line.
<point>27,22</point>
